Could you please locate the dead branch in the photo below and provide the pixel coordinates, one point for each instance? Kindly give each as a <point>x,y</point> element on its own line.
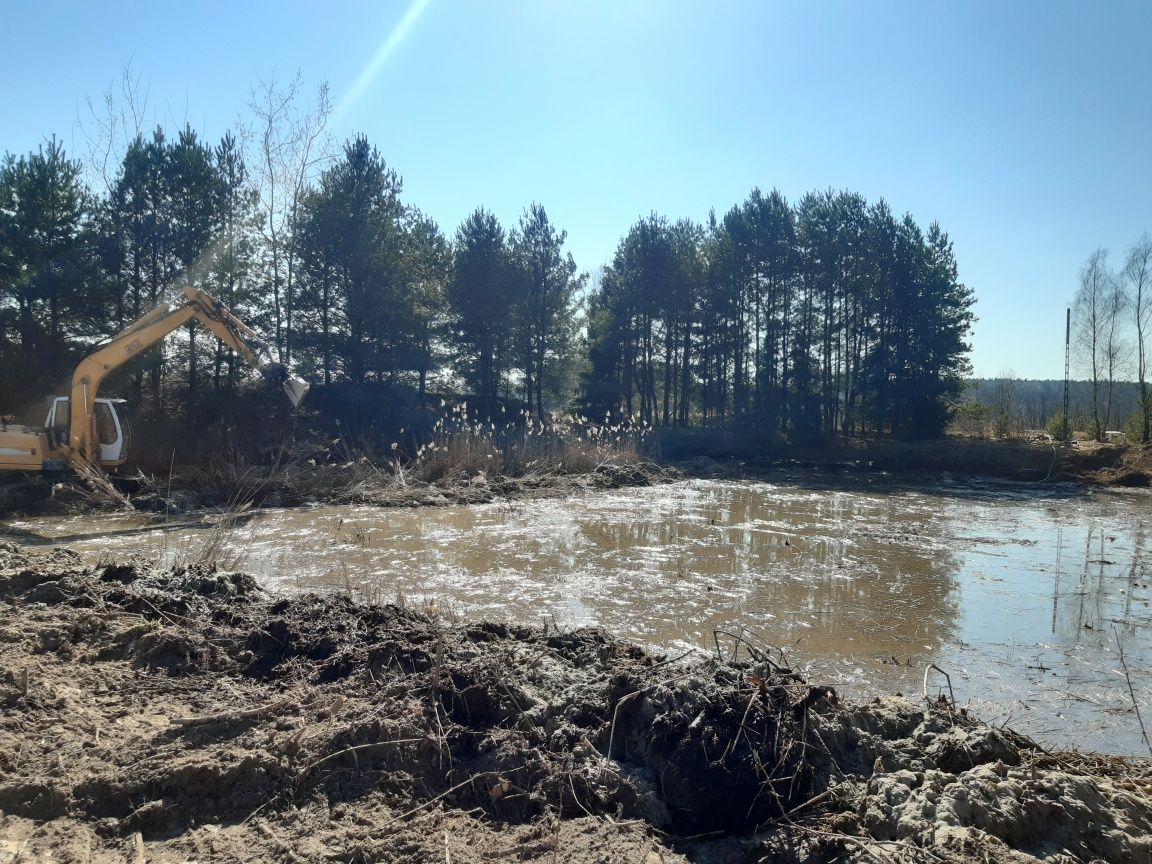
<point>446,793</point>
<point>947,677</point>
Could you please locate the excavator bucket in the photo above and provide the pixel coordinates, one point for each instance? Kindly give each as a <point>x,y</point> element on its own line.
<point>278,373</point>
<point>295,388</point>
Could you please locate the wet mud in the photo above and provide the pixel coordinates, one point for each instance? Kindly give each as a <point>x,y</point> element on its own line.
<point>191,488</point>
<point>864,461</point>
<point>184,714</point>
<point>1085,463</point>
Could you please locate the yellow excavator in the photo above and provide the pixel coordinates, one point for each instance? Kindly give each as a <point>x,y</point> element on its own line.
<point>83,430</point>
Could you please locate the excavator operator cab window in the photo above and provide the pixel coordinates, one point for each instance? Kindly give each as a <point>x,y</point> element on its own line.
<point>60,417</point>
<point>106,431</point>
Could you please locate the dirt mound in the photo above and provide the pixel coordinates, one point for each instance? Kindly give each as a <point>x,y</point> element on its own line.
<point>185,715</point>
<point>1129,466</point>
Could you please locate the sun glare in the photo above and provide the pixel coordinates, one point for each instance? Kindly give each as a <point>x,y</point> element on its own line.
<point>368,75</point>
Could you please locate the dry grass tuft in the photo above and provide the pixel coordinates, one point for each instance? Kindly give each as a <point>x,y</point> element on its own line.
<point>464,460</point>
<point>462,446</point>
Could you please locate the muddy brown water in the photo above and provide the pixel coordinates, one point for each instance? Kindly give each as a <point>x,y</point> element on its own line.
<point>1024,596</point>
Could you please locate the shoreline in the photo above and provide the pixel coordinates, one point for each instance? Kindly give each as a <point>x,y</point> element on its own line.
<point>861,461</point>
<point>1084,463</point>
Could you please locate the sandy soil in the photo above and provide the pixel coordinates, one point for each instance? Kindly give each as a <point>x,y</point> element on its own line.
<point>181,716</point>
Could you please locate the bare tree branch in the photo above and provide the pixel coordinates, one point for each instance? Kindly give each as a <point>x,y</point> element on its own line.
<point>292,143</point>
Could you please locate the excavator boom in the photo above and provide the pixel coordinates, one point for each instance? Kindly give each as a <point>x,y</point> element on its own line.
<point>149,329</point>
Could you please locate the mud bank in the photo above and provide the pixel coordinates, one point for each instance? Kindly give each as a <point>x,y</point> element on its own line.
<point>190,489</point>
<point>193,488</point>
<point>1086,463</point>
<point>166,716</point>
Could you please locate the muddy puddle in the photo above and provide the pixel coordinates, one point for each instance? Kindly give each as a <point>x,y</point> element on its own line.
<point>1024,596</point>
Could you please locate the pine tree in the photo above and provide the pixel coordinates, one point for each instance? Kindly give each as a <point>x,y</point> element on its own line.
<point>545,317</point>
<point>232,268</point>
<point>43,265</point>
<point>354,310</point>
<point>483,293</point>
<point>429,264</point>
<point>194,193</point>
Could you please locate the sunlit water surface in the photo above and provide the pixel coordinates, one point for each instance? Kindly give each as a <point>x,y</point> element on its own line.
<point>1024,596</point>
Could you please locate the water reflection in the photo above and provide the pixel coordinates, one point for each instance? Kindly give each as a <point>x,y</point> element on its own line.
<point>1024,598</point>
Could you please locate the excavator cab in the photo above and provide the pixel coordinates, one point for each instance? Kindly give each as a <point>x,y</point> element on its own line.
<point>112,429</point>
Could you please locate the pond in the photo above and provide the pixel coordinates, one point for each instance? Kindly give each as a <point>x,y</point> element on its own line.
<point>1033,600</point>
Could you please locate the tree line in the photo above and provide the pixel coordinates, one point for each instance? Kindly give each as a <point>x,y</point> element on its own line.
<point>828,316</point>
<point>349,282</point>
<point>1008,406</point>
<point>824,317</point>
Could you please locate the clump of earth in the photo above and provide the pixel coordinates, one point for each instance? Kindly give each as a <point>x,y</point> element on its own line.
<point>185,715</point>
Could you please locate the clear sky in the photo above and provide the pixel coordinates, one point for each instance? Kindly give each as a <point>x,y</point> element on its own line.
<point>1024,128</point>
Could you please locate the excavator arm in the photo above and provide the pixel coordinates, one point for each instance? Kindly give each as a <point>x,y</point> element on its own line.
<point>146,332</point>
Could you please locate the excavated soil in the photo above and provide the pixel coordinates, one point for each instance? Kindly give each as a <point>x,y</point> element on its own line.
<point>193,488</point>
<point>185,715</point>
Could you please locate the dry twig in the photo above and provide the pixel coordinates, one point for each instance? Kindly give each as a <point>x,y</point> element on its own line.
<point>811,802</point>
<point>445,794</point>
<point>99,486</point>
<point>622,700</point>
<point>354,751</point>
<point>288,851</point>
<point>947,677</point>
<point>1132,693</point>
<point>224,716</point>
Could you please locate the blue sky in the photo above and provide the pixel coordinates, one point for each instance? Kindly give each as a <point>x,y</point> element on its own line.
<point>1024,128</point>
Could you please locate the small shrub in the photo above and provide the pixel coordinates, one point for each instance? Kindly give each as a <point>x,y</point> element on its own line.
<point>1055,426</point>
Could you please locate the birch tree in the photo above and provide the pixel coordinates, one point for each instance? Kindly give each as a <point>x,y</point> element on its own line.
<point>292,144</point>
<point>1091,311</point>
<point>1137,277</point>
